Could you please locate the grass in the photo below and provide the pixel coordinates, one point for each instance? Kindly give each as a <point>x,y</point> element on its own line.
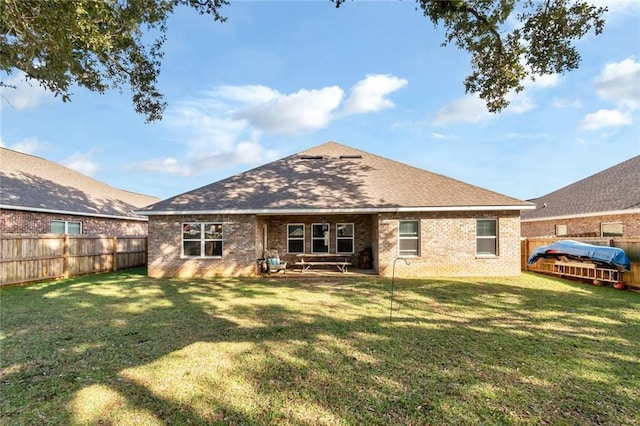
<point>122,348</point>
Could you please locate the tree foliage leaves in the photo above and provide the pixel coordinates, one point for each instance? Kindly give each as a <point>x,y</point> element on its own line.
<point>99,45</point>
<point>504,51</point>
<point>107,44</point>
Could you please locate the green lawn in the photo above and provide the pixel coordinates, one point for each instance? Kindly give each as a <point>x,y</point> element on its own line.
<point>124,349</point>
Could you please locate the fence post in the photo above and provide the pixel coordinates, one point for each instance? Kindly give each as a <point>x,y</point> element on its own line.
<point>65,256</point>
<point>115,253</point>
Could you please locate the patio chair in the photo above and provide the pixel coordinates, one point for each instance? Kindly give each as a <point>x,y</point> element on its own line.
<point>274,264</point>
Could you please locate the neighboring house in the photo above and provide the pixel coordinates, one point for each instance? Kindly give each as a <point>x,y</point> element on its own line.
<point>606,204</point>
<point>39,196</point>
<point>336,199</point>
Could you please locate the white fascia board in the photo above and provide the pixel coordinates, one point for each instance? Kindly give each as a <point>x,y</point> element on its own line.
<point>40,210</point>
<point>368,210</point>
<point>582,215</point>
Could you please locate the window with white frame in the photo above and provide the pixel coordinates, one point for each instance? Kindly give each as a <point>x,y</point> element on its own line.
<point>611,229</point>
<point>66,227</point>
<point>344,237</point>
<point>561,230</point>
<point>409,238</point>
<point>320,234</point>
<point>202,239</point>
<point>487,237</point>
<point>295,238</point>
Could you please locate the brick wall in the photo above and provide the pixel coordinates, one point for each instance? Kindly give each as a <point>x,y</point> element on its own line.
<point>448,245</point>
<point>25,222</point>
<point>582,226</point>
<point>241,247</point>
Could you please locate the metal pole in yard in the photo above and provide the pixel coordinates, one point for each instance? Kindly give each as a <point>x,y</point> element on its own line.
<point>393,278</point>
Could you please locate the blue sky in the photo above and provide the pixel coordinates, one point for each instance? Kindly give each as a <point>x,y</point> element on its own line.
<point>280,77</point>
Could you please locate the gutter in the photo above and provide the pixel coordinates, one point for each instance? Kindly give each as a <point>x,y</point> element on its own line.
<point>368,210</point>
<point>581,215</point>
<point>39,210</point>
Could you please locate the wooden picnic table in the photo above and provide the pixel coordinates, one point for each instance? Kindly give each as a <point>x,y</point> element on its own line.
<point>308,260</point>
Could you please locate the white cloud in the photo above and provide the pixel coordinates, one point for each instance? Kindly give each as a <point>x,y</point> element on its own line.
<point>264,109</point>
<point>81,162</point>
<point>298,112</point>
<point>27,146</point>
<point>223,127</point>
<point>619,82</point>
<point>205,130</point>
<point>566,103</point>
<point>543,81</point>
<point>519,103</point>
<point>167,165</point>
<point>369,95</point>
<point>26,94</point>
<point>468,109</point>
<point>250,94</point>
<point>243,153</point>
<point>618,6</point>
<point>472,109</point>
<point>523,101</point>
<point>605,118</point>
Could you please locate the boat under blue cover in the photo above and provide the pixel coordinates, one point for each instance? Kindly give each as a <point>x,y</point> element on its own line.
<point>612,256</point>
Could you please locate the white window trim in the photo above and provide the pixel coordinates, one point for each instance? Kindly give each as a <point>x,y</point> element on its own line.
<point>417,238</point>
<point>320,238</point>
<point>352,238</point>
<point>66,226</point>
<point>202,240</point>
<point>496,237</point>
<point>296,239</point>
<point>558,234</point>
<point>602,225</point>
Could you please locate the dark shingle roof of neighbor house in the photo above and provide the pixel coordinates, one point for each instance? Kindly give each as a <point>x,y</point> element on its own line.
<point>334,178</point>
<point>32,183</point>
<point>612,190</point>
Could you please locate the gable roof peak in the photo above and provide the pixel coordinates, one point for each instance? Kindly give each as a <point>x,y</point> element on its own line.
<point>332,149</point>
<point>337,178</point>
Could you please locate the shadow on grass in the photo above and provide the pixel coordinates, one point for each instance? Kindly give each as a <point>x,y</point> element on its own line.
<point>123,348</point>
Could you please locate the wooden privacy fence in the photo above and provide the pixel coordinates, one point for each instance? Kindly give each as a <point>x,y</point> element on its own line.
<point>35,257</point>
<point>631,246</point>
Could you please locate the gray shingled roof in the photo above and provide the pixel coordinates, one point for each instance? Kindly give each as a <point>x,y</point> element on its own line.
<point>334,177</point>
<point>32,183</point>
<point>614,189</point>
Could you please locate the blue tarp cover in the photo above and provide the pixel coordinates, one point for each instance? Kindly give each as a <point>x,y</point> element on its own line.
<point>610,255</point>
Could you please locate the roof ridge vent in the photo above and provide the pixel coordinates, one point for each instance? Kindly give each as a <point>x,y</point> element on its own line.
<point>350,156</point>
<point>312,157</point>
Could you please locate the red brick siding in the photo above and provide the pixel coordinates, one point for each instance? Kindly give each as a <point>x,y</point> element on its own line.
<point>241,247</point>
<point>582,226</point>
<point>448,245</point>
<point>25,222</point>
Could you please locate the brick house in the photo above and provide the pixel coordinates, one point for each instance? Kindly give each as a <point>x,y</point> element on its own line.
<point>38,196</point>
<point>606,204</point>
<point>336,199</point>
